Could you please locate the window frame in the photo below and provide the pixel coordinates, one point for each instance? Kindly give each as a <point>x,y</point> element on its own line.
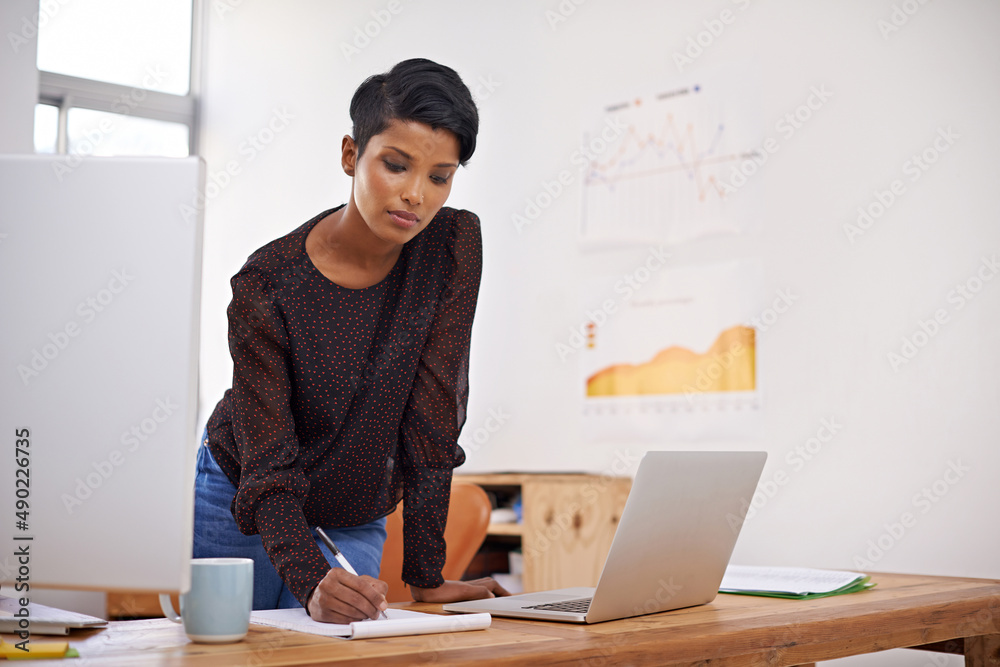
<point>68,92</point>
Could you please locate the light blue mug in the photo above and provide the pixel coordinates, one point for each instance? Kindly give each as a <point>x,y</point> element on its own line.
<point>217,608</point>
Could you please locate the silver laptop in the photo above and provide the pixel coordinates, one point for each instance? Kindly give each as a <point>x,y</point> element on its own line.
<point>670,550</point>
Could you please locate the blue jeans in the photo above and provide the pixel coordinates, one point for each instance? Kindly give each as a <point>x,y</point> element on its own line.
<point>216,536</point>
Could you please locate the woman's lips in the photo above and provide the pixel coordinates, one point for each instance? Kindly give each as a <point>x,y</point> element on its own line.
<point>404,219</point>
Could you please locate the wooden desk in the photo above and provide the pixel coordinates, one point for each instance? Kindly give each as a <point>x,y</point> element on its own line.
<point>902,611</point>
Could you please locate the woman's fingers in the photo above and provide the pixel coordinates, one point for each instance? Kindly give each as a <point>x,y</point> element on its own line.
<point>492,585</point>
<point>457,591</point>
<point>342,597</point>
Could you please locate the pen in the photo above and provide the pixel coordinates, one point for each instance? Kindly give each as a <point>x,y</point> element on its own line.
<point>340,557</point>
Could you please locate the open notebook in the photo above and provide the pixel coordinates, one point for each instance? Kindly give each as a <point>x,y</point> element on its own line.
<point>399,622</point>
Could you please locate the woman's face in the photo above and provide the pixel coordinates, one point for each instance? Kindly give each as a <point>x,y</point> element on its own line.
<point>403,178</point>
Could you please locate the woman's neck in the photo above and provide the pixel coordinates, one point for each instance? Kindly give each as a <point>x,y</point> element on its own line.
<point>345,250</point>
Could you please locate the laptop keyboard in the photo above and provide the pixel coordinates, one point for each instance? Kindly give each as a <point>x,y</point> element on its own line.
<point>573,606</point>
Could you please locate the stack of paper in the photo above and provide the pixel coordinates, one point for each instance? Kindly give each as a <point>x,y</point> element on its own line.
<point>398,622</point>
<point>44,620</point>
<point>799,583</point>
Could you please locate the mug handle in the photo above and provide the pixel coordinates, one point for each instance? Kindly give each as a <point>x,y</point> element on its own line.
<point>168,608</point>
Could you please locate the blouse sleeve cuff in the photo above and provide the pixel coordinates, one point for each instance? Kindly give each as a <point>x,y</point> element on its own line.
<point>425,512</point>
<point>299,562</point>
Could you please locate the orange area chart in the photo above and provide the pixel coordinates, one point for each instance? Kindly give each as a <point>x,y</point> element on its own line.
<point>728,365</point>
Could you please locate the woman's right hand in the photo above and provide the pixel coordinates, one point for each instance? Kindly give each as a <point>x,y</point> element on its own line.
<point>342,597</point>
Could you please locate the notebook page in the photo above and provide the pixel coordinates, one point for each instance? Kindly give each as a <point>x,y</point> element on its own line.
<point>399,622</point>
<point>796,580</point>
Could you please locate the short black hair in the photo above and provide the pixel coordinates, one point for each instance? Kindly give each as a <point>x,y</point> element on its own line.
<point>416,90</point>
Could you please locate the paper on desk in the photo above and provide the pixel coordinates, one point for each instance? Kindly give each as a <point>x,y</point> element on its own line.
<point>791,581</point>
<point>44,620</point>
<point>10,624</point>
<point>399,622</point>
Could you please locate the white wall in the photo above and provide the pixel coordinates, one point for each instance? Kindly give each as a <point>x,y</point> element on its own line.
<point>18,76</point>
<point>824,359</point>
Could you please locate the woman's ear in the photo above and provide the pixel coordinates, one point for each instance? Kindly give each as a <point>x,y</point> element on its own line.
<point>348,155</point>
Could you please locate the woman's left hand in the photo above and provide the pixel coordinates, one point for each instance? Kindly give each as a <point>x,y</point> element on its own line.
<point>459,591</point>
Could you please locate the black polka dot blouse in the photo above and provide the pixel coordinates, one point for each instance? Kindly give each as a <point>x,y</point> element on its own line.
<point>346,401</point>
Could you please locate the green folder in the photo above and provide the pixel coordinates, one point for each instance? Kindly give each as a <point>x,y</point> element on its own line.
<point>861,584</point>
<point>793,583</point>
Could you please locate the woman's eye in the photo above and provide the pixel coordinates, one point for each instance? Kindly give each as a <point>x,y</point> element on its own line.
<point>393,167</point>
<point>440,180</point>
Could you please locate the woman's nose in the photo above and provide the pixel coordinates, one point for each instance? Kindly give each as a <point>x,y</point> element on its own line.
<point>413,194</point>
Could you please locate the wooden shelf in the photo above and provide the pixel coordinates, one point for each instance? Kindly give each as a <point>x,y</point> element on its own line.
<point>568,522</point>
<point>505,529</point>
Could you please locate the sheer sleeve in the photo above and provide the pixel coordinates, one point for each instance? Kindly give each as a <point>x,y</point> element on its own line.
<point>435,411</point>
<point>272,488</point>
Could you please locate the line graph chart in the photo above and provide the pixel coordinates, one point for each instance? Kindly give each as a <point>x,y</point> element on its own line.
<point>659,179</point>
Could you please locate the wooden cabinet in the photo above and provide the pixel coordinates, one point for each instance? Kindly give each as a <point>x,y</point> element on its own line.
<point>568,522</point>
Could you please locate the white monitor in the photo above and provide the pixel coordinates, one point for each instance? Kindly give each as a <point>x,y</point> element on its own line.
<point>100,277</point>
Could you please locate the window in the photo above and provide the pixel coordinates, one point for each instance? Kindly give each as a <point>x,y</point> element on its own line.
<point>46,128</point>
<point>115,78</point>
<point>92,132</point>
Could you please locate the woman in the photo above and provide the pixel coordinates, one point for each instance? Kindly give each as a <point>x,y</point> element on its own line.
<point>350,346</point>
